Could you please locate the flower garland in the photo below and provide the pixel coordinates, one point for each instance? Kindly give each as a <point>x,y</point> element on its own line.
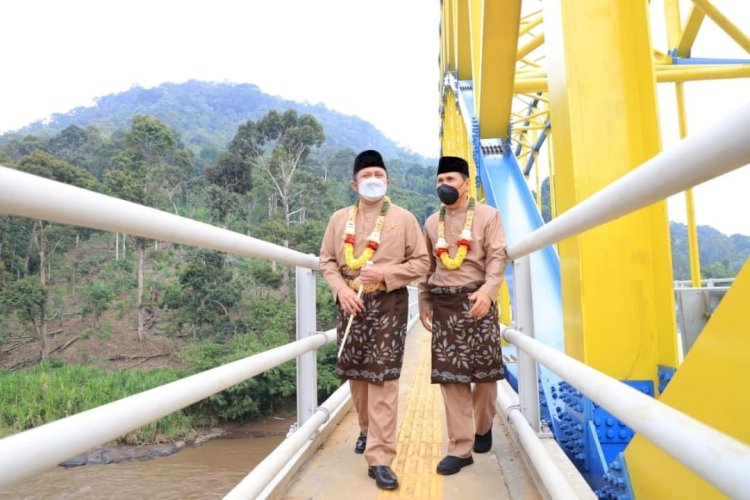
<point>464,242</point>
<point>372,242</point>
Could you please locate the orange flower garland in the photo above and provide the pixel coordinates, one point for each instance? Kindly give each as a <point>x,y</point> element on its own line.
<point>464,242</point>
<point>373,241</point>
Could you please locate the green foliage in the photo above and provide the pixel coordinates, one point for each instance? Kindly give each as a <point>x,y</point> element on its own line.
<point>721,256</point>
<point>328,381</point>
<point>14,241</point>
<point>45,165</point>
<point>274,317</point>
<point>205,296</point>
<point>27,297</point>
<point>264,275</point>
<point>222,204</point>
<point>718,270</point>
<point>252,398</point>
<point>105,330</point>
<point>326,306</point>
<point>119,274</point>
<point>96,299</point>
<point>152,168</point>
<point>307,236</point>
<point>52,390</point>
<point>233,169</point>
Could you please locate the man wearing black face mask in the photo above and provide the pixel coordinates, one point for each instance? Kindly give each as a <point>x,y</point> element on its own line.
<point>466,243</point>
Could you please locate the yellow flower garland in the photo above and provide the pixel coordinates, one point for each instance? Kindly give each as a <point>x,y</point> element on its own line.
<point>464,242</point>
<point>373,241</point>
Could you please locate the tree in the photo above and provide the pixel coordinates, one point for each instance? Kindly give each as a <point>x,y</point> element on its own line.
<point>290,139</point>
<point>28,298</point>
<point>149,171</point>
<point>45,165</point>
<point>96,300</point>
<point>205,296</point>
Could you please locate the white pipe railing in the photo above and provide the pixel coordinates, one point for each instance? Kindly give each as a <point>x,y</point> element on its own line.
<point>694,160</point>
<point>554,481</point>
<point>32,196</point>
<point>33,451</point>
<point>718,458</point>
<point>706,283</point>
<point>264,472</point>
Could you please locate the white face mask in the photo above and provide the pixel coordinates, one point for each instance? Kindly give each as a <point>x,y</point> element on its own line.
<point>372,189</point>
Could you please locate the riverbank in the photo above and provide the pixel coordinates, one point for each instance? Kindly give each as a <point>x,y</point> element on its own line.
<point>274,425</point>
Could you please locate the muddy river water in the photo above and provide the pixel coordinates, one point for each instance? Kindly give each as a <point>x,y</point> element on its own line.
<point>208,471</point>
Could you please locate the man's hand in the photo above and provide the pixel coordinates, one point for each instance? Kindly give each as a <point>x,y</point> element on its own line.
<point>371,274</point>
<point>349,301</point>
<point>482,303</point>
<point>426,318</point>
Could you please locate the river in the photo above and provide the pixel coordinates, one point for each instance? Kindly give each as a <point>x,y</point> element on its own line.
<point>204,472</point>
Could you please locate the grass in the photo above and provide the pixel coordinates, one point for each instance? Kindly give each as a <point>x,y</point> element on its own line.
<point>52,390</point>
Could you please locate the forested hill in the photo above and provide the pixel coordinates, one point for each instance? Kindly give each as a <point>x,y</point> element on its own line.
<point>721,256</point>
<point>207,115</point>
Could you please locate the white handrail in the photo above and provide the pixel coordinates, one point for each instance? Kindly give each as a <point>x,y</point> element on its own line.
<point>718,458</point>
<point>554,481</point>
<point>32,196</point>
<point>693,161</point>
<point>33,451</point>
<point>256,481</point>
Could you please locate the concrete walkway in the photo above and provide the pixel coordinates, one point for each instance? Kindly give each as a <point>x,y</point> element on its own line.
<point>336,472</point>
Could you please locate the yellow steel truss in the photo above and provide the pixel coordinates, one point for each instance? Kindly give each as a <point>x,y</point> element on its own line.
<point>590,68</point>
<point>709,387</point>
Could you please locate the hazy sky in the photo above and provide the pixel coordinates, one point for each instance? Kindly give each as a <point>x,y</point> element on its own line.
<point>374,59</point>
<point>377,59</point>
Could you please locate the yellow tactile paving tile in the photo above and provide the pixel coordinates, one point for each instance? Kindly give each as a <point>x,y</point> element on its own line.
<point>334,472</point>
<point>420,436</point>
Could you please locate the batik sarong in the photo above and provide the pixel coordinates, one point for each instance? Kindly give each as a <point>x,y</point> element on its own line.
<point>464,349</point>
<point>374,349</point>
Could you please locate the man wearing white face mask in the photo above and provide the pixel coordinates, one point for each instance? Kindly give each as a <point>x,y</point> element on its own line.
<point>377,245</point>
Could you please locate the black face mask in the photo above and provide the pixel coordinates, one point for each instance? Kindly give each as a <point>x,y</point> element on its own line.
<point>447,194</point>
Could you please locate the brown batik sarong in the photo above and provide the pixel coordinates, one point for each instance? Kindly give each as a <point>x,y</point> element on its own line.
<point>374,348</point>
<point>464,349</point>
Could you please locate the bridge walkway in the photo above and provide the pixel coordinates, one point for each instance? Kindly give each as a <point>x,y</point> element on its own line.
<point>336,472</point>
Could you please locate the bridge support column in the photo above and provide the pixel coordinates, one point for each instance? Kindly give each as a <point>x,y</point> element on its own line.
<point>307,371</point>
<point>604,118</point>
<point>528,374</point>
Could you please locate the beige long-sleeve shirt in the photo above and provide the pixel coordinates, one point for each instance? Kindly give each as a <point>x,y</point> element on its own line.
<point>484,265</point>
<point>402,253</point>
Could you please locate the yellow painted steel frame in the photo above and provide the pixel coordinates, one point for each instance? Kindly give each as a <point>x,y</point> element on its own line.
<point>494,37</point>
<point>694,21</point>
<point>461,39</point>
<point>674,32</point>
<point>617,281</point>
<point>455,138</point>
<point>710,387</point>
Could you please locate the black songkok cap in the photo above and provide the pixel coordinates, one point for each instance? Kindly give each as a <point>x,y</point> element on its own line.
<point>368,158</point>
<point>452,164</point>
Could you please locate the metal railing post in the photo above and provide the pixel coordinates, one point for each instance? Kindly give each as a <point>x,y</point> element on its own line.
<point>528,381</point>
<point>307,371</point>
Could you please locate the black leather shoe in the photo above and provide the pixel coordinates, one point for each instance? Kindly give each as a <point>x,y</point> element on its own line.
<point>483,443</point>
<point>450,465</point>
<point>359,448</point>
<point>384,477</point>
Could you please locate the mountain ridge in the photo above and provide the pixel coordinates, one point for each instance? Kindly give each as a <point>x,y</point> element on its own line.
<point>207,114</point>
